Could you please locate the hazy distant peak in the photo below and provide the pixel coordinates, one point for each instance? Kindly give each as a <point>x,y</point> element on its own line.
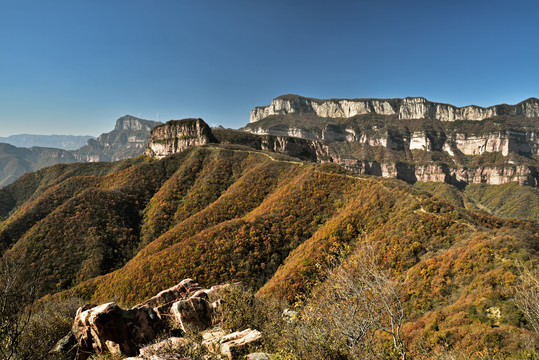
<point>65,142</point>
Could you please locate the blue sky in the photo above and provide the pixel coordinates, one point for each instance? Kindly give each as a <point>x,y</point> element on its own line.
<point>75,66</point>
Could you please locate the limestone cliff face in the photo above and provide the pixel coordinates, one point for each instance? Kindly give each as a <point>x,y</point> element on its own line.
<point>507,141</point>
<point>440,172</point>
<point>308,150</point>
<point>303,149</point>
<point>289,104</point>
<point>408,108</point>
<point>177,135</point>
<point>413,139</point>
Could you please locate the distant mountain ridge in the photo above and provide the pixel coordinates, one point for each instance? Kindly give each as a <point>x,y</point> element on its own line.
<point>128,139</point>
<point>15,161</point>
<point>64,142</point>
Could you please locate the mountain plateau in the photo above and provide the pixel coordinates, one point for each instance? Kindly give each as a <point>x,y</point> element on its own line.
<point>413,139</point>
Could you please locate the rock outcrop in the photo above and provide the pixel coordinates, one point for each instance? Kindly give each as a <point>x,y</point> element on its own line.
<point>407,108</point>
<point>231,345</point>
<point>163,347</point>
<point>110,329</point>
<point>185,289</point>
<point>177,135</point>
<point>402,136</point>
<point>304,149</point>
<point>128,139</point>
<point>440,172</point>
<point>193,313</point>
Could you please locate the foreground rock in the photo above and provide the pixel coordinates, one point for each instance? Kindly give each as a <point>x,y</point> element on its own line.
<point>66,347</point>
<point>109,329</point>
<point>194,313</point>
<point>231,345</point>
<point>169,346</point>
<point>183,290</point>
<point>258,356</point>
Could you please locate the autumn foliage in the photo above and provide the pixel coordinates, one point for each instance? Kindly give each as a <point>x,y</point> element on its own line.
<point>127,230</point>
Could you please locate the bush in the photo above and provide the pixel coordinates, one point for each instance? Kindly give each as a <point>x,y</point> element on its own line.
<point>49,323</point>
<point>241,309</point>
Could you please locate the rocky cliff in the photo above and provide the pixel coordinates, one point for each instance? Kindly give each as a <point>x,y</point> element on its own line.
<point>304,149</point>
<point>128,139</point>
<point>389,147</point>
<point>408,108</point>
<point>413,139</point>
<point>178,135</point>
<point>492,174</point>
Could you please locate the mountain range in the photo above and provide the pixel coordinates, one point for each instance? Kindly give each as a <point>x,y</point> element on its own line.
<point>226,213</point>
<point>412,139</point>
<point>278,213</point>
<point>128,139</point>
<point>64,142</point>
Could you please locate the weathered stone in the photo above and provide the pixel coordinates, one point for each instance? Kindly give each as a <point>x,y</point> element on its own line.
<point>167,357</point>
<point>185,289</point>
<point>231,345</point>
<point>193,313</point>
<point>203,294</point>
<point>258,356</point>
<point>170,345</point>
<point>66,345</point>
<point>211,294</point>
<point>178,135</point>
<point>108,328</point>
<point>85,307</point>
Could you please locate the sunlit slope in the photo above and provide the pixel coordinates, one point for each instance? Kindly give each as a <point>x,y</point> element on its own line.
<point>124,231</point>
<point>506,200</point>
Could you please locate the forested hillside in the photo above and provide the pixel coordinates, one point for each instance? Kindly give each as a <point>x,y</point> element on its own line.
<point>124,231</point>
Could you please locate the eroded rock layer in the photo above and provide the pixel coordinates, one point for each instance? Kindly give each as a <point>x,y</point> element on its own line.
<point>413,139</point>
<point>407,108</point>
<point>177,135</point>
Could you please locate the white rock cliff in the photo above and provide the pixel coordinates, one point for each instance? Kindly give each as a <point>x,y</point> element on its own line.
<point>408,108</point>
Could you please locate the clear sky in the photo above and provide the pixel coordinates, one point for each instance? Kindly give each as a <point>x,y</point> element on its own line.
<point>75,66</point>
